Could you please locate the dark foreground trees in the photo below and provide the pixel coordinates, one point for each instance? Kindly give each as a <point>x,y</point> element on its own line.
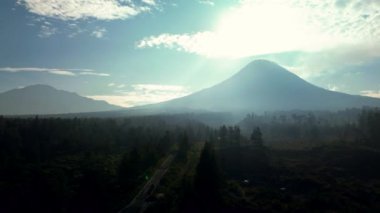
<point>208,179</point>
<point>81,165</point>
<point>369,126</point>
<point>98,165</point>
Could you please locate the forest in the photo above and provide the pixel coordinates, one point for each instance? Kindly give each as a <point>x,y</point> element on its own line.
<point>270,162</point>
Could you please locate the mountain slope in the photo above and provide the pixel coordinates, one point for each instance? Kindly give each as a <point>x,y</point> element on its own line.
<point>43,99</point>
<point>264,86</point>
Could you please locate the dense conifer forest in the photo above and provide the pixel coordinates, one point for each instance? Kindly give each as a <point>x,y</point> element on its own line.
<point>282,161</point>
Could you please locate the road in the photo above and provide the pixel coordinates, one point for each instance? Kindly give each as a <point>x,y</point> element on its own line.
<point>139,202</point>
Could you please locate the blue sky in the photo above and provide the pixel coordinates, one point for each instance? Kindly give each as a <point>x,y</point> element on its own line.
<point>133,52</point>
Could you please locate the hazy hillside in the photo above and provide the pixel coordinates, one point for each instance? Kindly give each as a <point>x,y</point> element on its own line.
<point>264,86</point>
<point>43,99</point>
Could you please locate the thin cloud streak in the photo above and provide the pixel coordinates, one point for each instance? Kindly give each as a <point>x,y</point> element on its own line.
<point>371,93</point>
<point>55,71</point>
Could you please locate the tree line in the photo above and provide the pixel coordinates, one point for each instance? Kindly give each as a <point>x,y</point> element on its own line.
<point>83,165</point>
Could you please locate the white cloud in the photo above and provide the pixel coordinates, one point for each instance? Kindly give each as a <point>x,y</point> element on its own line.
<point>46,30</point>
<point>257,27</point>
<point>84,9</point>
<point>61,72</point>
<point>332,87</point>
<point>158,87</point>
<point>99,32</point>
<point>207,2</point>
<point>118,100</point>
<point>141,94</point>
<point>371,93</point>
<point>94,74</point>
<point>202,43</point>
<point>75,29</point>
<point>150,2</point>
<point>64,72</point>
<point>36,69</point>
<point>73,12</point>
<point>115,85</point>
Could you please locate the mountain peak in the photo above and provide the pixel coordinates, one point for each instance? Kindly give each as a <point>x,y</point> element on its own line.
<point>261,63</point>
<point>38,87</point>
<point>263,71</point>
<point>43,86</point>
<point>265,86</point>
<point>263,66</point>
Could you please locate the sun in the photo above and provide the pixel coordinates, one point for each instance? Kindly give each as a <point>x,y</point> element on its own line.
<point>260,28</point>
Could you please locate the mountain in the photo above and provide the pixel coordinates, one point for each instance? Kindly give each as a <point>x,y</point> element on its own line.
<point>43,99</point>
<point>263,86</point>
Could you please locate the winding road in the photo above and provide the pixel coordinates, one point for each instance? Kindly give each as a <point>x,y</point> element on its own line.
<point>139,202</point>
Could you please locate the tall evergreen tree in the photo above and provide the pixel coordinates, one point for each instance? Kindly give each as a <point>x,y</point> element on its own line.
<point>183,147</point>
<point>256,137</point>
<point>208,179</point>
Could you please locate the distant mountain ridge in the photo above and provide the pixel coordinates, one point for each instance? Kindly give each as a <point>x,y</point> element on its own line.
<point>43,99</point>
<point>260,86</point>
<point>263,86</point>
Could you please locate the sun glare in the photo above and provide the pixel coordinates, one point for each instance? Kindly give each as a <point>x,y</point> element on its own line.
<point>264,28</point>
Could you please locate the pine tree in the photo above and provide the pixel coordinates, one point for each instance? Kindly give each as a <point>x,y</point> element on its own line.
<point>256,137</point>
<point>183,147</point>
<point>208,179</point>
